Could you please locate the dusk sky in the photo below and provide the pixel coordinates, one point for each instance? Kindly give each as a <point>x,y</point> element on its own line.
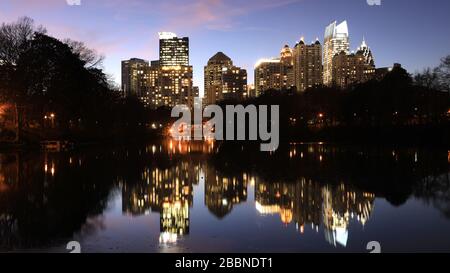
<point>415,33</point>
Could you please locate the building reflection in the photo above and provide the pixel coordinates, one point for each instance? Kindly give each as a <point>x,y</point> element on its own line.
<point>48,197</point>
<point>307,203</point>
<point>222,192</point>
<point>167,191</point>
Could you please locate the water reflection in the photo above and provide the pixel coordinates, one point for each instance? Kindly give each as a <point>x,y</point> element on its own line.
<point>307,203</point>
<point>47,199</point>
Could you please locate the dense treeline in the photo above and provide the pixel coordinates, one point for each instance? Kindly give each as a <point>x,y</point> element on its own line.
<point>60,90</point>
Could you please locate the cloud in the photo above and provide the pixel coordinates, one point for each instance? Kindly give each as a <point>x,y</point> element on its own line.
<point>213,14</point>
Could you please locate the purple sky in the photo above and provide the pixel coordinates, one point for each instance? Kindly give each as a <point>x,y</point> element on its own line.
<point>415,33</point>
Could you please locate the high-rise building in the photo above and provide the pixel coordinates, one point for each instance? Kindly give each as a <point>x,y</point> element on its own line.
<point>276,73</point>
<point>287,67</point>
<point>336,40</point>
<point>307,65</point>
<point>267,75</point>
<point>234,81</point>
<point>134,78</point>
<point>213,76</point>
<point>175,82</point>
<point>173,51</point>
<point>165,82</point>
<point>223,80</point>
<point>349,69</point>
<point>175,85</point>
<point>153,73</point>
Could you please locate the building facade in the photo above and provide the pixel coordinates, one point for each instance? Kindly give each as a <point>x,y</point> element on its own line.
<point>173,51</point>
<point>267,75</point>
<point>223,80</point>
<point>234,83</point>
<point>134,78</point>
<point>287,67</point>
<point>175,86</point>
<point>175,75</point>
<point>350,69</point>
<point>307,65</point>
<point>336,40</point>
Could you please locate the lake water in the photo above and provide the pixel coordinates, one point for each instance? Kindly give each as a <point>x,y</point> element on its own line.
<point>205,197</point>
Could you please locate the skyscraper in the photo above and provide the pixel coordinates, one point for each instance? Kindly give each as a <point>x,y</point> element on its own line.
<point>353,68</point>
<point>175,74</point>
<point>336,40</point>
<point>134,78</point>
<point>175,85</point>
<point>153,73</point>
<point>213,76</point>
<point>307,65</point>
<point>173,51</point>
<point>287,67</point>
<point>223,80</point>
<point>267,75</point>
<point>277,73</point>
<point>234,81</point>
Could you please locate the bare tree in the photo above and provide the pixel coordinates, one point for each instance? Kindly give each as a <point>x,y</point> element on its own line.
<point>14,38</point>
<point>428,78</point>
<point>443,72</point>
<point>89,56</point>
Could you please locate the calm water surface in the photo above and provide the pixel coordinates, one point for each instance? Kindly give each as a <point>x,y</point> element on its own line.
<point>203,197</point>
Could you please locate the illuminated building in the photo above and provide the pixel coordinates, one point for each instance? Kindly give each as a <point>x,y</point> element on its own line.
<point>173,51</point>
<point>267,75</point>
<point>336,40</point>
<point>287,67</point>
<point>353,68</point>
<point>276,73</point>
<point>234,81</point>
<point>175,82</point>
<point>223,80</point>
<point>175,85</point>
<point>135,78</point>
<point>153,73</point>
<point>307,65</point>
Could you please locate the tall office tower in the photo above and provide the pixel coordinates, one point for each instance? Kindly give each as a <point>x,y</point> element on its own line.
<point>173,51</point>
<point>234,81</point>
<point>366,52</point>
<point>267,75</point>
<point>223,80</point>
<point>336,40</point>
<point>153,73</point>
<point>287,67</point>
<point>175,85</point>
<point>175,73</point>
<point>354,68</point>
<point>307,65</point>
<point>134,78</point>
<point>213,76</point>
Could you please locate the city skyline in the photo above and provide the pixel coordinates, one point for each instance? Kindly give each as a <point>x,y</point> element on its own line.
<point>242,31</point>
